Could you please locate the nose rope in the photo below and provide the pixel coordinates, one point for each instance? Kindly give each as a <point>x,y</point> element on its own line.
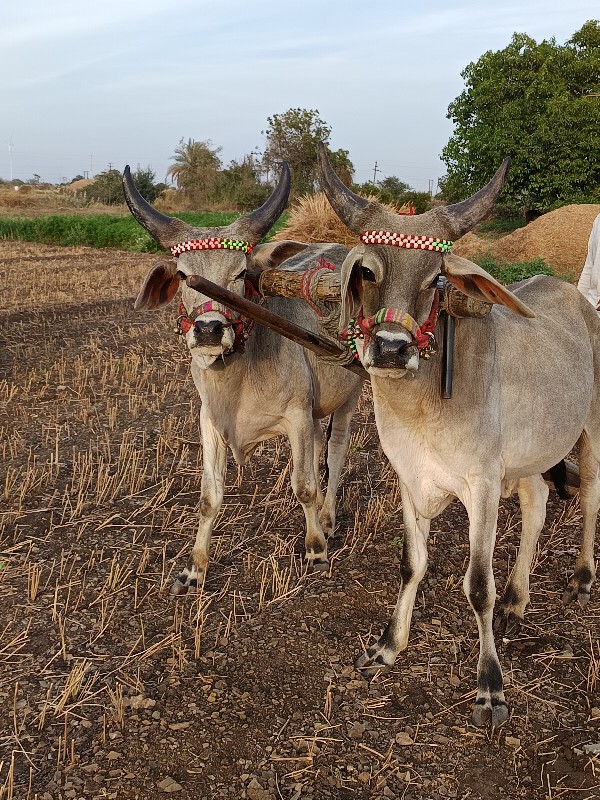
<point>242,327</point>
<point>362,327</point>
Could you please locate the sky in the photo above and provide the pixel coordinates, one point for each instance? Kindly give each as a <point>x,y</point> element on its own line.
<point>88,86</point>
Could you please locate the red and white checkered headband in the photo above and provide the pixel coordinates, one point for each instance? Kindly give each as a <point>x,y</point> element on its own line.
<point>213,243</point>
<point>408,240</point>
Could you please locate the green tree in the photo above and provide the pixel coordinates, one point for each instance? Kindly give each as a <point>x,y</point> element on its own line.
<point>394,187</point>
<point>342,166</point>
<point>293,137</point>
<point>393,190</point>
<point>106,188</point>
<point>196,171</point>
<point>538,104</point>
<point>145,181</point>
<point>240,187</point>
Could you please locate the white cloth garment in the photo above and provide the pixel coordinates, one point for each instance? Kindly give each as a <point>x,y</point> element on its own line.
<point>589,280</point>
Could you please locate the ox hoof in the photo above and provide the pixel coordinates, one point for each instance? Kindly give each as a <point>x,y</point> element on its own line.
<point>485,715</point>
<point>318,563</point>
<point>189,579</point>
<point>370,663</point>
<point>579,593</point>
<point>507,624</point>
<point>179,587</point>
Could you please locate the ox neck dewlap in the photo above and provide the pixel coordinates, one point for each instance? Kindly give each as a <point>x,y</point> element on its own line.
<point>212,243</point>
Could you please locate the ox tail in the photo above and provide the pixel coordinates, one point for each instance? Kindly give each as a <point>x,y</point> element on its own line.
<point>327,438</point>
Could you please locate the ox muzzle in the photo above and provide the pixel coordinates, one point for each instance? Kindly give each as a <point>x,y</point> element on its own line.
<point>393,350</point>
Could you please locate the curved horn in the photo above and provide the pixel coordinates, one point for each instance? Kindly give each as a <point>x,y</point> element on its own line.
<point>349,207</point>
<point>167,231</point>
<point>465,215</point>
<point>256,224</point>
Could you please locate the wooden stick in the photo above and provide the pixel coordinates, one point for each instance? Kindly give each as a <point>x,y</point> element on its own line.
<point>311,341</point>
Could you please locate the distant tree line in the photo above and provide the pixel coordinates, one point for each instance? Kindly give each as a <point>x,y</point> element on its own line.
<point>202,182</point>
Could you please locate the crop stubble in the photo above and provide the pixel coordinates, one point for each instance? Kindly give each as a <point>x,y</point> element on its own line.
<point>111,688</point>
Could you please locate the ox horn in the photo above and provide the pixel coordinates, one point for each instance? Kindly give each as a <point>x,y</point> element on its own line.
<point>167,231</point>
<point>463,216</point>
<point>255,225</point>
<point>350,208</point>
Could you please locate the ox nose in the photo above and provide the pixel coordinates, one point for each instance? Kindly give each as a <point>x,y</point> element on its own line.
<point>391,352</point>
<point>208,331</point>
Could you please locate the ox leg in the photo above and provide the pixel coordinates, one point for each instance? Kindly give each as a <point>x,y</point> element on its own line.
<point>533,495</point>
<point>214,464</point>
<point>479,587</point>
<point>301,434</point>
<point>580,585</point>
<point>318,446</point>
<point>383,653</point>
<point>337,447</point>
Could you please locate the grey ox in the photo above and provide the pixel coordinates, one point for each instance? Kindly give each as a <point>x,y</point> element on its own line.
<point>526,386</point>
<point>256,389</point>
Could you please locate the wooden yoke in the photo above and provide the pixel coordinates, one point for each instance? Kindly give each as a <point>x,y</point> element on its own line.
<point>281,283</point>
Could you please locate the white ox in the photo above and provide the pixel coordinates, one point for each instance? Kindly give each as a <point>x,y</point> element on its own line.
<point>526,386</point>
<point>256,389</point>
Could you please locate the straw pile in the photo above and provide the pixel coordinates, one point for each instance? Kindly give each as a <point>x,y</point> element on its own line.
<point>559,237</point>
<point>311,219</point>
<point>80,185</point>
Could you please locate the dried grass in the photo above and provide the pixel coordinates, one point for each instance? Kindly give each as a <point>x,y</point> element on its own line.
<point>560,238</point>
<point>100,465</point>
<point>311,219</point>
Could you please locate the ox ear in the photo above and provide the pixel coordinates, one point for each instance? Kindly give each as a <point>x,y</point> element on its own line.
<point>351,288</point>
<point>159,288</point>
<point>475,282</point>
<point>271,254</point>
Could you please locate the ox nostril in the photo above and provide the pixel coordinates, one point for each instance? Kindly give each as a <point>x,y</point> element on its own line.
<point>391,352</point>
<point>208,329</point>
<point>385,346</point>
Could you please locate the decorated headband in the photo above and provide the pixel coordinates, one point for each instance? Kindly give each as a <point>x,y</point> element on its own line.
<point>214,243</point>
<point>408,240</point>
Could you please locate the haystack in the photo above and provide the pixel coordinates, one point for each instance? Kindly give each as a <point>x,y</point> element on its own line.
<point>470,245</point>
<point>311,219</point>
<point>80,185</point>
<point>559,237</point>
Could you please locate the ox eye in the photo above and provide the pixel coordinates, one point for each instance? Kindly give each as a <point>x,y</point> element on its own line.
<point>181,275</point>
<point>241,276</point>
<point>368,275</point>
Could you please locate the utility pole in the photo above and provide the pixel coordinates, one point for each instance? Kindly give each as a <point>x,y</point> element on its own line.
<point>375,171</point>
<point>430,187</point>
